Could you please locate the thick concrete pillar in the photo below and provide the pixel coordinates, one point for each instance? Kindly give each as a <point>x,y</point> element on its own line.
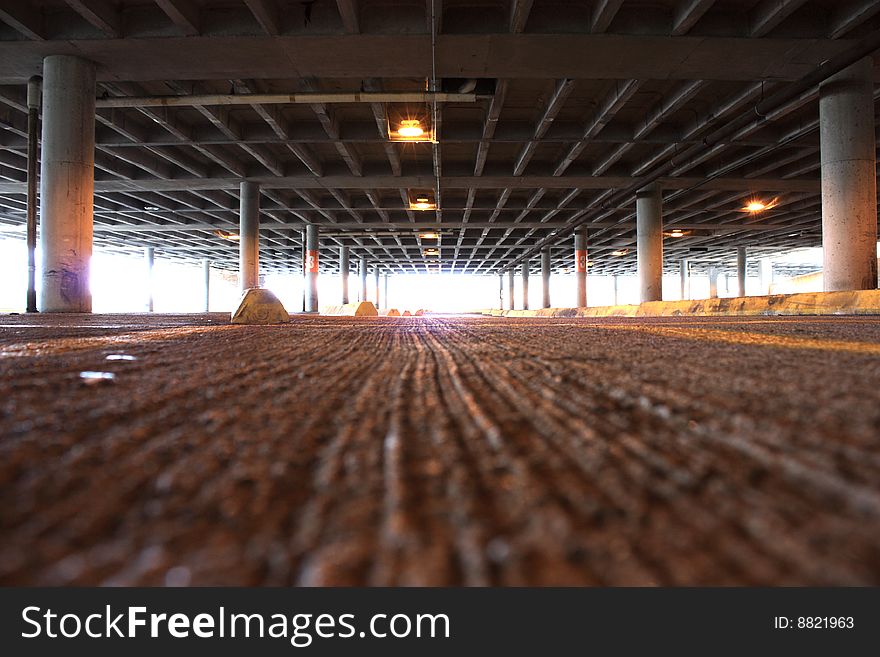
<point>525,285</point>
<point>33,103</point>
<point>363,274</point>
<point>649,234</point>
<point>149,257</point>
<point>580,267</point>
<point>713,282</point>
<point>249,236</point>
<point>376,285</point>
<point>344,267</point>
<point>849,183</point>
<point>765,273</point>
<point>545,278</point>
<point>615,280</point>
<point>206,272</point>
<point>511,304</point>
<point>741,263</point>
<point>67,183</point>
<point>385,290</point>
<point>310,270</point>
<point>684,273</point>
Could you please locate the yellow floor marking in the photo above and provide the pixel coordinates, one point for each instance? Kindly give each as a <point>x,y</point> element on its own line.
<point>763,339</point>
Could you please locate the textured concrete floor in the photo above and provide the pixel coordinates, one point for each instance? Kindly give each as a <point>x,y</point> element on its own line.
<point>440,451</point>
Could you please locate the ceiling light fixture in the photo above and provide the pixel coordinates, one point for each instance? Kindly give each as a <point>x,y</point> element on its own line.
<point>620,252</point>
<point>226,235</point>
<point>410,129</point>
<point>756,205</point>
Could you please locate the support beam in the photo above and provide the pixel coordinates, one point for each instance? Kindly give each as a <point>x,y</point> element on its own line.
<point>183,13</point>
<point>525,285</point>
<point>713,282</point>
<point>376,285</point>
<point>67,182</point>
<point>688,13</point>
<point>511,303</point>
<point>765,274</point>
<point>545,278</point>
<point>580,267</point>
<point>604,12</point>
<point>649,237</point>
<point>849,183</point>
<point>311,268</point>
<point>267,14</point>
<point>206,272</point>
<point>249,236</point>
<point>23,17</point>
<point>149,255</point>
<point>519,15</point>
<point>741,263</point>
<point>348,11</point>
<point>33,103</point>
<point>344,268</point>
<point>684,274</point>
<point>101,14</point>
<point>363,274</point>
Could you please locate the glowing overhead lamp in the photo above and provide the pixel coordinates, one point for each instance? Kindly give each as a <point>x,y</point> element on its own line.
<point>226,235</point>
<point>411,129</point>
<point>429,236</point>
<point>756,205</point>
<point>421,201</point>
<point>676,232</point>
<point>620,252</point>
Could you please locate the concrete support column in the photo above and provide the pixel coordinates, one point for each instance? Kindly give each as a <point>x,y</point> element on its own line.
<point>580,267</point>
<point>385,290</point>
<point>149,257</point>
<point>765,273</point>
<point>525,285</point>
<point>741,263</point>
<point>684,272</point>
<point>511,304</point>
<point>363,274</point>
<point>344,267</point>
<point>310,270</point>
<point>33,103</point>
<point>501,291</point>
<point>849,183</point>
<point>615,280</point>
<point>649,234</point>
<point>713,282</point>
<point>545,278</point>
<point>249,236</point>
<point>376,284</point>
<point>67,183</point>
<point>206,271</point>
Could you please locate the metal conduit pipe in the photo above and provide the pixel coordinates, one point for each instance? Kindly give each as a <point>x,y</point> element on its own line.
<point>768,106</point>
<point>284,99</point>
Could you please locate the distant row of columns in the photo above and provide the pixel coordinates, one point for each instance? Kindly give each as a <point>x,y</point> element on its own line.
<point>848,179</point>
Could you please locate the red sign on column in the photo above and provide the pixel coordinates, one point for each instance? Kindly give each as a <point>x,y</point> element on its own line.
<point>580,261</point>
<point>312,262</point>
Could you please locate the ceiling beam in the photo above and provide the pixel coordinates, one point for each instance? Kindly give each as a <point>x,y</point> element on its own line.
<point>847,18</point>
<point>348,11</point>
<point>23,17</point>
<point>542,56</point>
<point>267,14</point>
<point>687,15</point>
<point>519,15</point>
<point>604,12</point>
<point>447,183</point>
<point>101,14</point>
<point>183,13</point>
<point>770,13</point>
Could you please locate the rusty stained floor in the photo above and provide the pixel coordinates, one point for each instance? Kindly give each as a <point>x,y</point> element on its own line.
<point>440,450</point>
